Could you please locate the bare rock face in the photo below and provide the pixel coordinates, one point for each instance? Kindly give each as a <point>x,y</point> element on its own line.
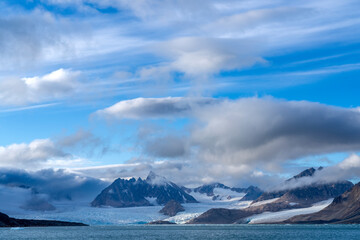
<point>344,209</point>
<point>138,192</point>
<point>220,216</point>
<point>172,208</point>
<point>6,221</point>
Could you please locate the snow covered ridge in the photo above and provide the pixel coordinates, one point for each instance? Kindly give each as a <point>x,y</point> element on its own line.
<point>157,190</point>
<point>273,217</point>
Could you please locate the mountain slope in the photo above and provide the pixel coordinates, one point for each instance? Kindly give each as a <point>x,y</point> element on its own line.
<point>344,209</point>
<point>133,193</point>
<point>301,197</point>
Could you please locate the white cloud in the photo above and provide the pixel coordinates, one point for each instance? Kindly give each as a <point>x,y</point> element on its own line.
<point>267,132</point>
<point>347,169</point>
<point>33,155</point>
<point>61,152</point>
<point>52,86</point>
<point>245,134</point>
<point>141,108</point>
<point>206,56</point>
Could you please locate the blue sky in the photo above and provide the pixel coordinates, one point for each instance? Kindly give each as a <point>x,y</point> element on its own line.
<point>207,88</point>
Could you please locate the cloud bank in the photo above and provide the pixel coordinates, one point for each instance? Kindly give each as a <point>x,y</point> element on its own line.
<point>248,136</point>
<point>55,184</point>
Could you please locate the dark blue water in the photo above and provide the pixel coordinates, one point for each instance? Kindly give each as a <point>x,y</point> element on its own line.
<point>271,232</point>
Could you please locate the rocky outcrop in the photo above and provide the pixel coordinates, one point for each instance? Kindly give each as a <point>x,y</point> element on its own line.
<point>6,221</point>
<point>172,208</point>
<point>138,192</point>
<point>344,209</point>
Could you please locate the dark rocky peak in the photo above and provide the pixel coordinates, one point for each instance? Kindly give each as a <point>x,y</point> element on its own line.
<point>306,173</point>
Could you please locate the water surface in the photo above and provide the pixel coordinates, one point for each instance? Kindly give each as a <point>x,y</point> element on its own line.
<point>271,232</point>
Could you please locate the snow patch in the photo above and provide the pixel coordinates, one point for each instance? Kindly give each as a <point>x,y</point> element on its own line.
<point>273,217</point>
<point>152,200</point>
<point>228,195</point>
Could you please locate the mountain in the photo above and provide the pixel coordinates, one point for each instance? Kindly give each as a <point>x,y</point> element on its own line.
<point>212,190</point>
<point>6,221</point>
<point>344,209</point>
<point>208,189</point>
<point>172,208</point>
<point>132,193</point>
<point>308,194</point>
<point>300,197</point>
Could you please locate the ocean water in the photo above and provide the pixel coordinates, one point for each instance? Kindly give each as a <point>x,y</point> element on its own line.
<point>169,232</point>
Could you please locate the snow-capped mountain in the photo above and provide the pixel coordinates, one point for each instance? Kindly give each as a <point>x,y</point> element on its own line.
<point>219,191</point>
<point>154,190</point>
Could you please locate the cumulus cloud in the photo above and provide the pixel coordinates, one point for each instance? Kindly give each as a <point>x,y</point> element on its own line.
<point>142,108</point>
<point>255,131</point>
<point>33,155</point>
<point>60,152</point>
<point>52,86</point>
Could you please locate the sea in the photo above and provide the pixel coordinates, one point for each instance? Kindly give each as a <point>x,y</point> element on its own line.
<point>177,232</point>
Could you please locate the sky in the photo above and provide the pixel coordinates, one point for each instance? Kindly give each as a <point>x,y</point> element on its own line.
<point>240,92</point>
